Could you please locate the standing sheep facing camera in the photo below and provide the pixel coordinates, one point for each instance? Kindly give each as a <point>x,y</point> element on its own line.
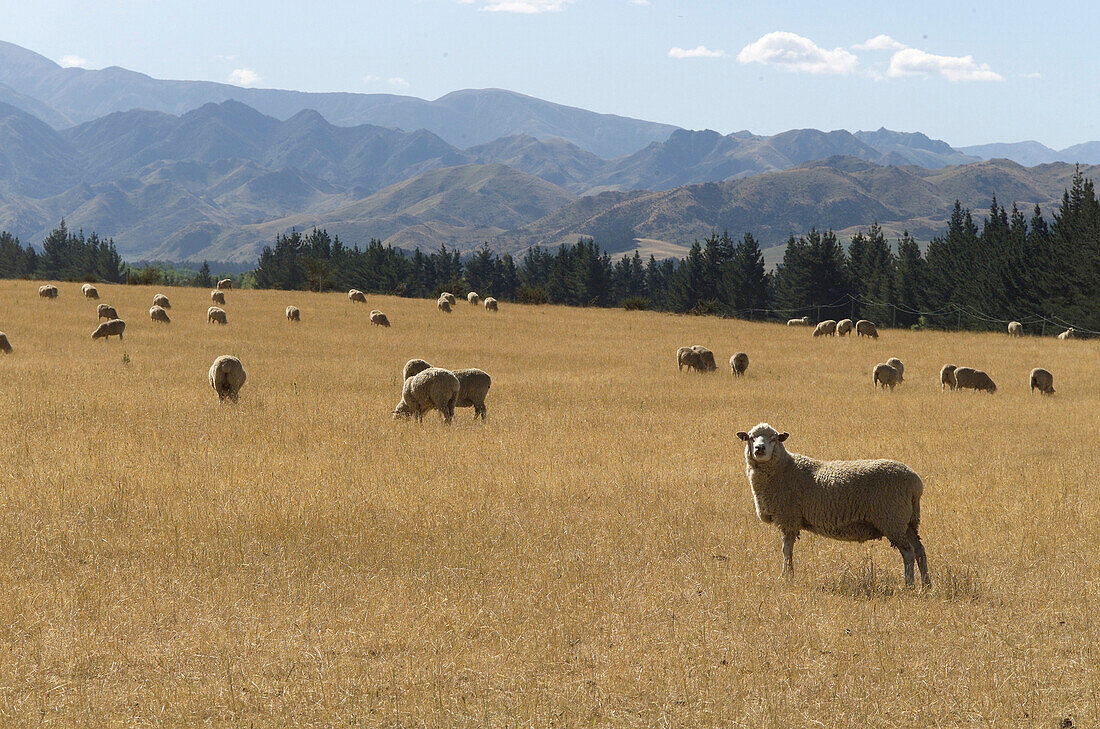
<point>89,291</point>
<point>843,327</point>
<point>897,365</point>
<point>1042,381</point>
<point>968,378</point>
<point>866,328</point>
<point>5,345</point>
<point>1067,334</point>
<point>293,314</point>
<point>947,376</point>
<point>490,304</point>
<point>739,363</point>
<point>825,328</point>
<point>106,312</point>
<point>473,385</point>
<point>473,298</point>
<point>852,501</point>
<point>885,375</point>
<point>217,297</point>
<point>225,284</point>
<point>157,313</point>
<point>443,305</point>
<point>216,315</point>
<point>413,367</point>
<point>227,377</point>
<point>108,329</point>
<point>1015,329</point>
<point>47,291</point>
<point>379,319</point>
<point>433,389</point>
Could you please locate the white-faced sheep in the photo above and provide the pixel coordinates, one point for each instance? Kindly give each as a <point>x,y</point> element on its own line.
<point>885,376</point>
<point>968,378</point>
<point>106,312</point>
<point>293,314</point>
<point>227,377</point>
<point>357,295</point>
<point>162,301</point>
<point>443,305</point>
<point>433,389</point>
<point>473,298</point>
<point>5,345</point>
<point>1067,334</point>
<point>1042,381</point>
<point>217,297</point>
<point>852,501</point>
<point>739,363</point>
<point>947,376</point>
<point>449,297</point>
<point>866,328</point>
<point>897,365</point>
<point>214,315</point>
<point>802,322</point>
<point>825,328</point>
<point>47,291</point>
<point>473,385</point>
<point>378,319</point>
<point>89,291</point>
<point>413,367</point>
<point>1015,329</point>
<point>225,284</point>
<point>843,327</point>
<point>490,304</point>
<point>157,313</point>
<point>107,329</point>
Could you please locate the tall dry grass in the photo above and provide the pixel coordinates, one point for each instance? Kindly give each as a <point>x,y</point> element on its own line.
<point>588,556</point>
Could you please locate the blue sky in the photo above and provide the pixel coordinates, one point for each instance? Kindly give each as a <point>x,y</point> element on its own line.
<point>965,72</point>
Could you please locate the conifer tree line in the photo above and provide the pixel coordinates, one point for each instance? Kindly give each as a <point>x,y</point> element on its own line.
<point>65,256</point>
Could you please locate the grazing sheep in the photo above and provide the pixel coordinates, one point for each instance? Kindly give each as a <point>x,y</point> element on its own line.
<point>227,377</point>
<point>377,318</point>
<point>162,301</point>
<point>292,314</point>
<point>443,305</point>
<point>803,322</point>
<point>709,364</point>
<point>47,291</point>
<point>885,375</point>
<point>1042,381</point>
<point>1016,329</point>
<point>90,292</point>
<point>105,330</point>
<point>843,327</point>
<point>897,365</point>
<point>433,389</point>
<point>968,378</point>
<point>688,357</point>
<point>449,297</point>
<point>947,376</point>
<point>217,297</point>
<point>1067,334</point>
<point>852,501</point>
<point>106,312</point>
<point>5,345</point>
<point>825,328</point>
<point>739,363</point>
<point>866,328</point>
<point>214,314</point>
<point>473,385</point>
<point>357,295</point>
<point>473,298</point>
<point>490,304</point>
<point>225,284</point>
<point>413,367</point>
<point>157,313</point>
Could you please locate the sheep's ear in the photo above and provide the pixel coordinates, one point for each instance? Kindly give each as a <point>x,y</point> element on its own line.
<point>782,437</point>
<point>742,435</point>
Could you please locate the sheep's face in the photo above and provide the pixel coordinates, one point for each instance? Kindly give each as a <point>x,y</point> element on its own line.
<point>760,443</point>
<point>402,411</point>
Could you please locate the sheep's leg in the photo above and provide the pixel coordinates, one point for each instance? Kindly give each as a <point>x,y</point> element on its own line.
<point>922,558</point>
<point>908,557</point>
<point>788,553</point>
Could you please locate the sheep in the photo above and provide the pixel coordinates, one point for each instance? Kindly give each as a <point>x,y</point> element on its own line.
<point>972,379</point>
<point>108,328</point>
<point>1015,329</point>
<point>47,291</point>
<point>5,345</point>
<point>377,318</point>
<point>443,305</point>
<point>490,304</point>
<point>89,291</point>
<point>473,385</point>
<point>947,376</point>
<point>106,312</point>
<point>157,313</point>
<point>216,315</point>
<point>866,328</point>
<point>825,328</point>
<point>357,295</point>
<point>217,297</point>
<point>433,389</point>
<point>851,501</point>
<point>473,298</point>
<point>1067,334</point>
<point>227,377</point>
<point>897,365</point>
<point>162,301</point>
<point>449,297</point>
<point>708,358</point>
<point>739,363</point>
<point>293,314</point>
<point>225,284</point>
<point>697,358</point>
<point>843,327</point>
<point>803,322</point>
<point>413,367</point>
<point>1042,381</point>
<point>885,375</point>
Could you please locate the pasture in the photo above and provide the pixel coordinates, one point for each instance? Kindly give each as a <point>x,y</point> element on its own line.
<point>588,556</point>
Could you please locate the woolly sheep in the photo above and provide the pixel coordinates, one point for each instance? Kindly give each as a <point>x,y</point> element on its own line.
<point>89,291</point>
<point>885,375</point>
<point>947,376</point>
<point>357,295</point>
<point>490,304</point>
<point>443,305</point>
<point>825,328</point>
<point>225,284</point>
<point>473,385</point>
<point>866,328</point>
<point>217,297</point>
<point>227,377</point>
<point>377,318</point>
<point>688,357</point>
<point>968,378</point>
<point>843,327</point>
<point>897,365</point>
<point>106,312</point>
<point>1016,329</point>
<point>1042,381</point>
<point>803,322</point>
<point>739,363</point>
<point>413,367</point>
<point>449,297</point>
<point>709,364</point>
<point>851,501</point>
<point>433,389</point>
<point>5,345</point>
<point>293,314</point>
<point>157,313</point>
<point>473,298</point>
<point>114,327</point>
<point>162,301</point>
<point>215,315</point>
<point>47,291</point>
<point>1067,334</point>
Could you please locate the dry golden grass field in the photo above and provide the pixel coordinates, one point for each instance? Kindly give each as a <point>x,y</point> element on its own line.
<point>589,556</point>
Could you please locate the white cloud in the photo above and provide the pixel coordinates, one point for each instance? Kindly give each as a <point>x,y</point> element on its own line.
<point>73,62</point>
<point>792,52</point>
<point>915,62</point>
<point>527,7</point>
<point>244,77</point>
<point>398,82</point>
<point>880,43</point>
<point>697,52</point>
<point>371,79</point>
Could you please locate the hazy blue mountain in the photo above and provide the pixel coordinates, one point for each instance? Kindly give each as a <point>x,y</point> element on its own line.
<point>35,161</point>
<point>1028,153</point>
<point>914,148</point>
